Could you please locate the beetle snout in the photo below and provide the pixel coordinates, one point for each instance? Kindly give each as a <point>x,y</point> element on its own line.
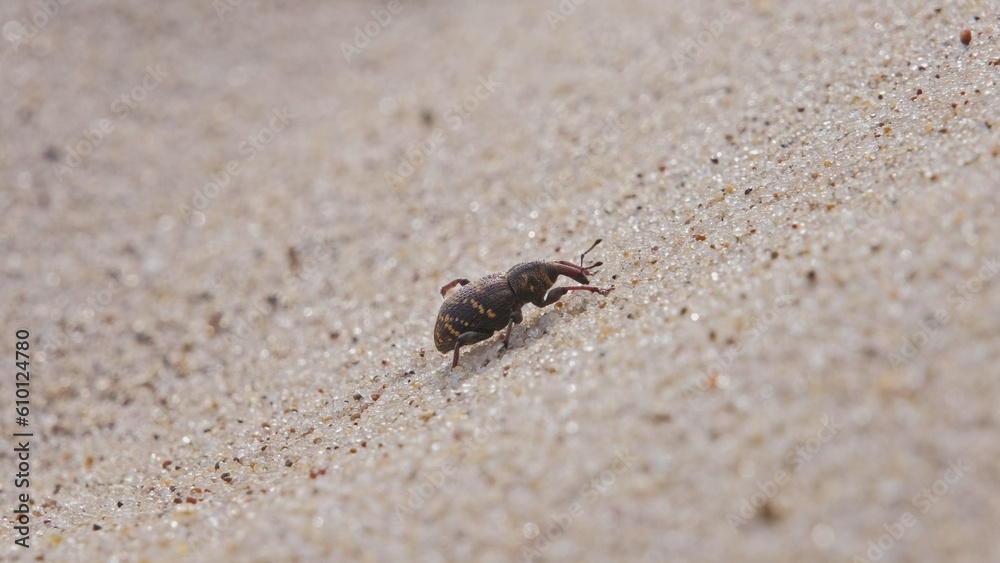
<point>575,272</point>
<point>586,271</point>
<point>580,276</point>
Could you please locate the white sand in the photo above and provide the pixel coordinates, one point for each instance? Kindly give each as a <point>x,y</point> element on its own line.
<point>782,374</point>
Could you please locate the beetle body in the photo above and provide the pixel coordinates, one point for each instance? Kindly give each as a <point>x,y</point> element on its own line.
<point>478,309</point>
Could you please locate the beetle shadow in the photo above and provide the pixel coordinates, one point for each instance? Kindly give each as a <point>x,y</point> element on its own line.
<point>491,351</point>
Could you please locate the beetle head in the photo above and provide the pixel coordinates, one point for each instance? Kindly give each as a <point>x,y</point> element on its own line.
<point>576,272</point>
<point>532,280</point>
<point>570,270</point>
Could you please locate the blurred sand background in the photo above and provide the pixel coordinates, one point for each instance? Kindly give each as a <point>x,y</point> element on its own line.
<point>225,227</point>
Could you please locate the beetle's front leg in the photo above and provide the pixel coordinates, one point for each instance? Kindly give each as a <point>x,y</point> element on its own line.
<point>468,338</point>
<point>515,318</point>
<point>557,292</point>
<point>453,283</point>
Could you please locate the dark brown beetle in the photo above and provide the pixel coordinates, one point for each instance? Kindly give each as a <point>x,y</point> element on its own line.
<point>480,308</point>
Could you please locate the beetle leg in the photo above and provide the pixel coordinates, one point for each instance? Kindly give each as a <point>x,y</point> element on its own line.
<point>555,293</point>
<point>459,281</point>
<point>515,318</point>
<point>466,339</point>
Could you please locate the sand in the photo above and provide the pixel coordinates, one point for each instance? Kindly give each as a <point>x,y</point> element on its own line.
<point>225,227</point>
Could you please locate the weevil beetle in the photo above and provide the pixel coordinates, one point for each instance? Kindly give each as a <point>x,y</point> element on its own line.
<point>480,308</point>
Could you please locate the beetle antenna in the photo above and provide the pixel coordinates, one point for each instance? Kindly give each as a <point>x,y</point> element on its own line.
<point>596,242</point>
